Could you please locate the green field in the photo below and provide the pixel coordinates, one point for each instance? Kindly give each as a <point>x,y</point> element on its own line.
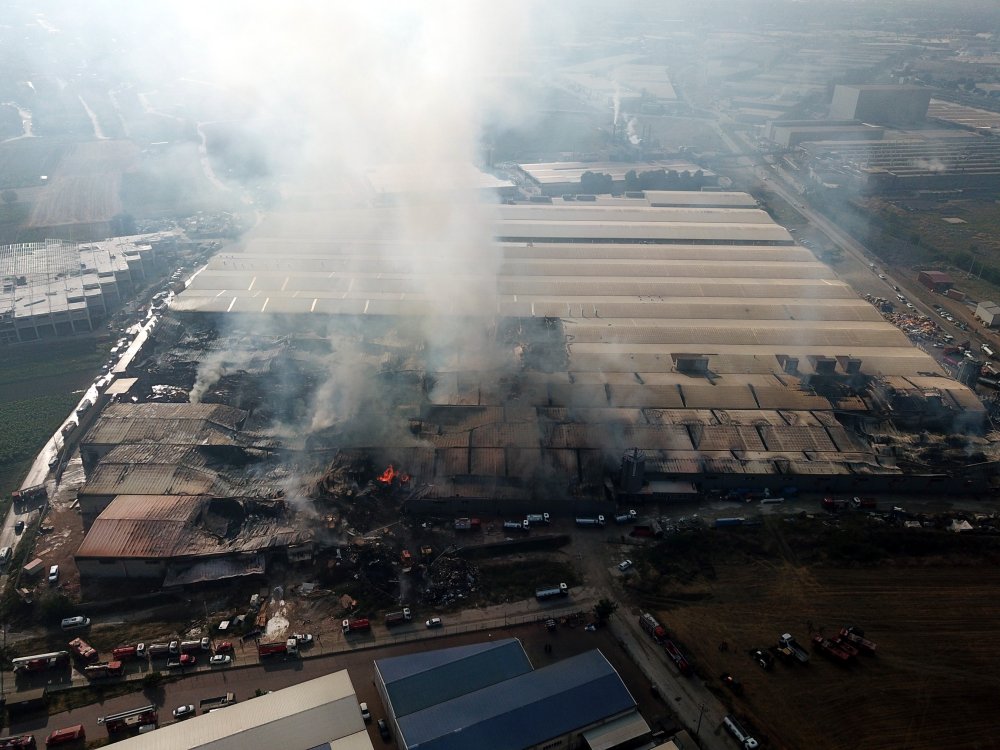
<point>39,386</point>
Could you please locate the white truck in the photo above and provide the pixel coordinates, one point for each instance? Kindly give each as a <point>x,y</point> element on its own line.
<point>792,645</point>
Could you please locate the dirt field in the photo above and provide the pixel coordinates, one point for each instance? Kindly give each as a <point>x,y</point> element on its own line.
<point>86,186</point>
<point>932,684</point>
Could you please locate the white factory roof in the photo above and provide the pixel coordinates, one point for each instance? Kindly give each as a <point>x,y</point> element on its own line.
<point>632,284</point>
<point>318,713</point>
<point>598,229</point>
<point>700,198</point>
<point>570,211</point>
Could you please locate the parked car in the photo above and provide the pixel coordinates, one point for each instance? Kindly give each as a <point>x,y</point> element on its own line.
<point>624,565</point>
<point>365,713</point>
<point>434,622</point>
<point>220,660</point>
<point>183,712</point>
<point>764,658</point>
<point>75,623</point>
<point>224,647</point>
<point>304,639</point>
<point>53,573</point>
<point>19,527</point>
<point>383,730</point>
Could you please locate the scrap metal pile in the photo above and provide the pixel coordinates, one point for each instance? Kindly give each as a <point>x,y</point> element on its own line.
<point>449,579</point>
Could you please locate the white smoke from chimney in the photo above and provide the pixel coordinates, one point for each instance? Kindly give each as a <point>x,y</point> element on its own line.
<point>632,132</point>
<point>616,102</point>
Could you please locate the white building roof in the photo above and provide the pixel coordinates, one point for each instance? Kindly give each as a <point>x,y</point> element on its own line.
<point>308,715</point>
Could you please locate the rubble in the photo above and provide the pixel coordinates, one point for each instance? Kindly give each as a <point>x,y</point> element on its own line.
<point>448,580</point>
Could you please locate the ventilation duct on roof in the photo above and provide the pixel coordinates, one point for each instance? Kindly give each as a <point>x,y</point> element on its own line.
<point>691,362</point>
<point>850,365</point>
<point>788,364</point>
<point>823,365</point>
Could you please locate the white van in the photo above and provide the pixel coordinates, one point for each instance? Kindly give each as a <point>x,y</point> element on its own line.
<point>5,553</point>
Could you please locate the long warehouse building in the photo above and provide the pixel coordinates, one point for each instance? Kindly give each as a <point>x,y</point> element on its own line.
<point>703,336</point>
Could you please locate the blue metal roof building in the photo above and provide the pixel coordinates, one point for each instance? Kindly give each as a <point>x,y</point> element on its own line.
<point>417,681</point>
<point>506,711</point>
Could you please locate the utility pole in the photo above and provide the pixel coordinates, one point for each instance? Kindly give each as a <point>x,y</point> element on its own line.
<point>701,713</point>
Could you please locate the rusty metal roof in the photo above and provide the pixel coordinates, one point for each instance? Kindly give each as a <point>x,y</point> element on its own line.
<point>171,526</point>
<point>226,416</point>
<point>152,479</point>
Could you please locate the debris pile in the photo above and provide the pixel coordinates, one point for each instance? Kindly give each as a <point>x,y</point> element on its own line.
<point>448,580</point>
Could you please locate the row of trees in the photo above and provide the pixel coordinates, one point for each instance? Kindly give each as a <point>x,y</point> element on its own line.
<point>597,183</point>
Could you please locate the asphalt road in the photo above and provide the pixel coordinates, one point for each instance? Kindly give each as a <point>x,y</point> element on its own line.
<point>275,675</point>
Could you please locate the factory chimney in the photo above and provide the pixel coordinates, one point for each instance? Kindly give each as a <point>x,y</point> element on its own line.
<point>633,475</point>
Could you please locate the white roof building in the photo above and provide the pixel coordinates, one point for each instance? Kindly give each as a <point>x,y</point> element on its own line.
<point>320,713</point>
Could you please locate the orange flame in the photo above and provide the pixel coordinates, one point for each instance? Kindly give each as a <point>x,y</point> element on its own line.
<point>404,478</point>
<point>388,475</point>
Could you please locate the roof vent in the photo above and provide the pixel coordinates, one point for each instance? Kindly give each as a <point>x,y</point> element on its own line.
<point>697,363</point>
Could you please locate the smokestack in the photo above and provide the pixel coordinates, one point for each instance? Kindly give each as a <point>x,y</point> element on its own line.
<point>633,472</point>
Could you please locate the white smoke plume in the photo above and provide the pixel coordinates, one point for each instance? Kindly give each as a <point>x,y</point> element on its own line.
<point>632,132</point>
<point>215,365</point>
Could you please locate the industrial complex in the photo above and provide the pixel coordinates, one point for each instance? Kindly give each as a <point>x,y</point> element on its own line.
<point>696,342</point>
<point>55,288</point>
<point>563,377</point>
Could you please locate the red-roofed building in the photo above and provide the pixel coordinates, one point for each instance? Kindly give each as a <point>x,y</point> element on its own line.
<point>937,281</point>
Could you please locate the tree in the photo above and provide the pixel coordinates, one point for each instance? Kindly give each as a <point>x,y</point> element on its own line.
<point>9,197</point>
<point>123,225</point>
<point>604,609</point>
<point>595,183</point>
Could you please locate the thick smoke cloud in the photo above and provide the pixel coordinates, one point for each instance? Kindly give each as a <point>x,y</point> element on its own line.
<point>335,90</point>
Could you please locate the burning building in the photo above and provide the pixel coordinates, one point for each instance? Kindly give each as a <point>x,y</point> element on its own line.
<point>501,374</point>
<point>184,539</point>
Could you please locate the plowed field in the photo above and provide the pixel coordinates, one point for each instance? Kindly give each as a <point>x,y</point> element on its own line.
<point>86,185</point>
<point>933,684</point>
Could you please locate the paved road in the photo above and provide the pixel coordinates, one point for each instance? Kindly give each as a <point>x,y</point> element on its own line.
<point>279,674</point>
<point>693,704</point>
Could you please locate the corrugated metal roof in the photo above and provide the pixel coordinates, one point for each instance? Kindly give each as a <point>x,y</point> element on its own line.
<point>154,453</point>
<point>523,711</point>
<point>310,714</point>
<point>680,416</point>
<point>152,479</point>
<point>718,396</point>
<point>738,466</point>
<point>634,213</point>
<point>796,438</point>
<point>169,526</point>
<point>517,435</point>
<point>588,251</point>
<point>165,431</point>
<point>723,437</point>
<point>227,416</point>
<point>489,461</point>
<point>417,681</point>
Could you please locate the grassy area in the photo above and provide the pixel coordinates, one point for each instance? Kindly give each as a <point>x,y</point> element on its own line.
<point>511,581</point>
<point>24,161</point>
<point>912,234</point>
<point>781,210</point>
<point>29,422</point>
<point>37,384</point>
<point>12,218</point>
